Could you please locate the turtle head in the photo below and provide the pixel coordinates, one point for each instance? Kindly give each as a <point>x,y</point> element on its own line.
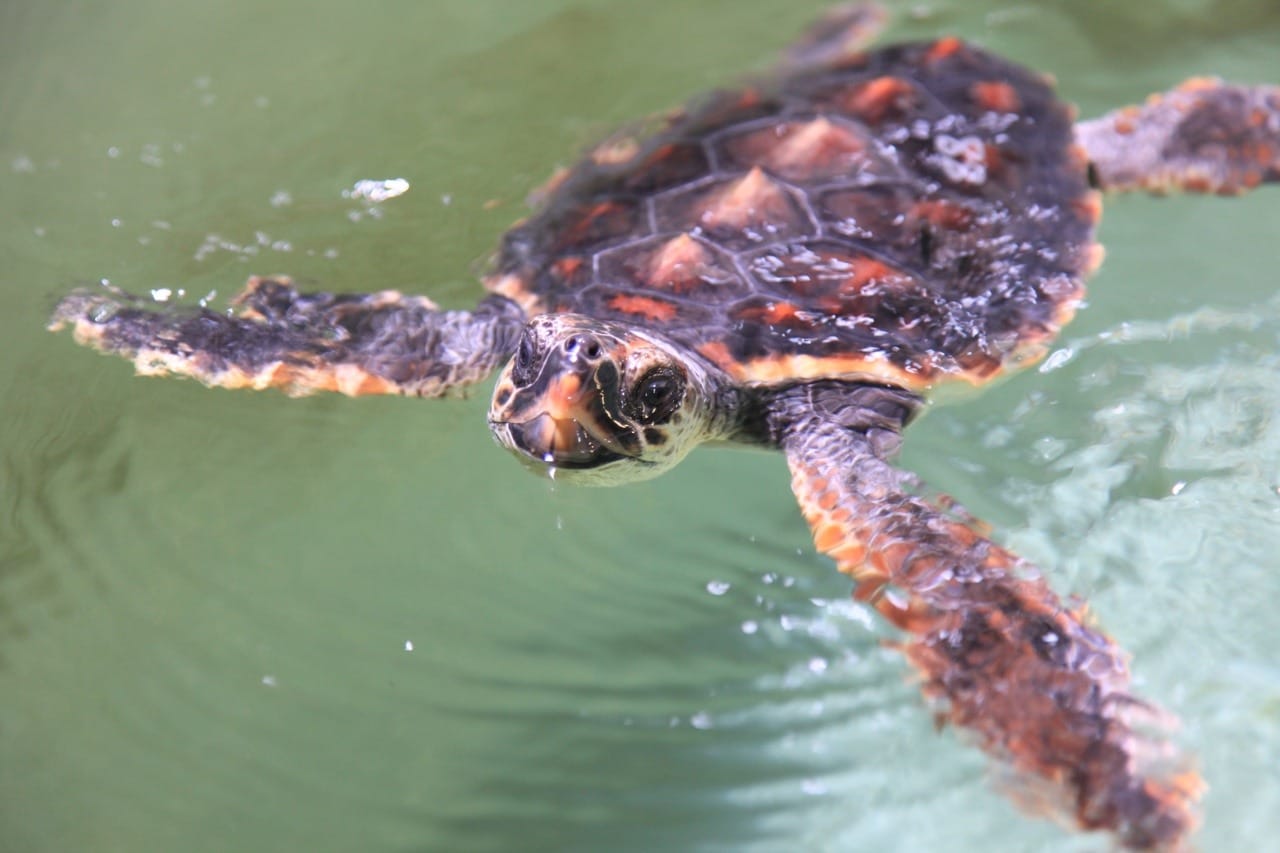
<point>599,402</point>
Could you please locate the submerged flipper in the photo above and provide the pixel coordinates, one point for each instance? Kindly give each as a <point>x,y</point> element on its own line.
<point>1203,136</point>
<point>377,343</point>
<point>1043,692</point>
<point>841,33</point>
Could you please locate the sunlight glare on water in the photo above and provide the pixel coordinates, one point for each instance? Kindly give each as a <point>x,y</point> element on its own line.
<point>240,621</point>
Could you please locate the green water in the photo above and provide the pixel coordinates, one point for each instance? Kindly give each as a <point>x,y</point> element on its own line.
<point>238,621</point>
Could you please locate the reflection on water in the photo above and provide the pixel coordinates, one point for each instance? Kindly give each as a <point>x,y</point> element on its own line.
<point>239,620</point>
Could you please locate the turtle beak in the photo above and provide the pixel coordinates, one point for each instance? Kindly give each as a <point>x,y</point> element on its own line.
<point>568,415</point>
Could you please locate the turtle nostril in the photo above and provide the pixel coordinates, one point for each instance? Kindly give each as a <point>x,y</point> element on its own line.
<point>585,345</point>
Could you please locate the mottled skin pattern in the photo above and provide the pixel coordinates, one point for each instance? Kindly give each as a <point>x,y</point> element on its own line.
<point>355,344</point>
<point>1203,136</point>
<point>987,636</point>
<point>794,264</point>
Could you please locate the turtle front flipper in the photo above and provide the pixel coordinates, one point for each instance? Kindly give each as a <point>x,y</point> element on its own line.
<point>378,343</point>
<point>1039,689</point>
<point>1203,136</point>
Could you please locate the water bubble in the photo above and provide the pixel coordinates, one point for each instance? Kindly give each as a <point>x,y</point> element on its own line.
<point>717,587</point>
<point>701,721</point>
<point>1057,359</point>
<point>408,645</point>
<point>268,681</point>
<point>750,627</point>
<point>150,155</point>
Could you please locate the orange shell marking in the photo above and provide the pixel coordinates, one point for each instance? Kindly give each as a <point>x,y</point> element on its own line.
<point>875,99</point>
<point>779,369</point>
<point>943,48</point>
<point>996,96</point>
<point>648,307</point>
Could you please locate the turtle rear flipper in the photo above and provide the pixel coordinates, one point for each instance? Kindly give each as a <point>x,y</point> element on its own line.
<point>377,343</point>
<point>1203,136</point>
<point>839,35</point>
<point>1044,693</point>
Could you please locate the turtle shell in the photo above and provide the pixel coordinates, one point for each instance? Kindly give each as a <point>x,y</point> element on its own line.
<point>905,215</point>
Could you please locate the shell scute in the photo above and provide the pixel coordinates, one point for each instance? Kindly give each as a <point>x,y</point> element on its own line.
<point>818,269</point>
<point>667,165</point>
<point>664,312</point>
<point>880,100</point>
<point>805,150</point>
<point>739,212</point>
<point>723,108</point>
<point>680,265</point>
<point>597,224</point>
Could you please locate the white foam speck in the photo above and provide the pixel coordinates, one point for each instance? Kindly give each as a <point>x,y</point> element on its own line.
<point>377,190</point>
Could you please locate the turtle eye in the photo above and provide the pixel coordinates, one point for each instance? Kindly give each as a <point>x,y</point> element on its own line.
<point>522,369</point>
<point>655,398</point>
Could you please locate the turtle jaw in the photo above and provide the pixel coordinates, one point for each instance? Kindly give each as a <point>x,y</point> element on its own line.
<point>545,441</point>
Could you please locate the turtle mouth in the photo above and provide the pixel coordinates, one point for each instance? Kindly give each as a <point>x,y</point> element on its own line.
<point>561,442</point>
<point>566,415</point>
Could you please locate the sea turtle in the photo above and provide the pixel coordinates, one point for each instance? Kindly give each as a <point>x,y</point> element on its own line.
<point>794,263</point>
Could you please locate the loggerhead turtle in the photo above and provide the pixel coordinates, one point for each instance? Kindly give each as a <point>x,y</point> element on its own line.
<point>795,263</point>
